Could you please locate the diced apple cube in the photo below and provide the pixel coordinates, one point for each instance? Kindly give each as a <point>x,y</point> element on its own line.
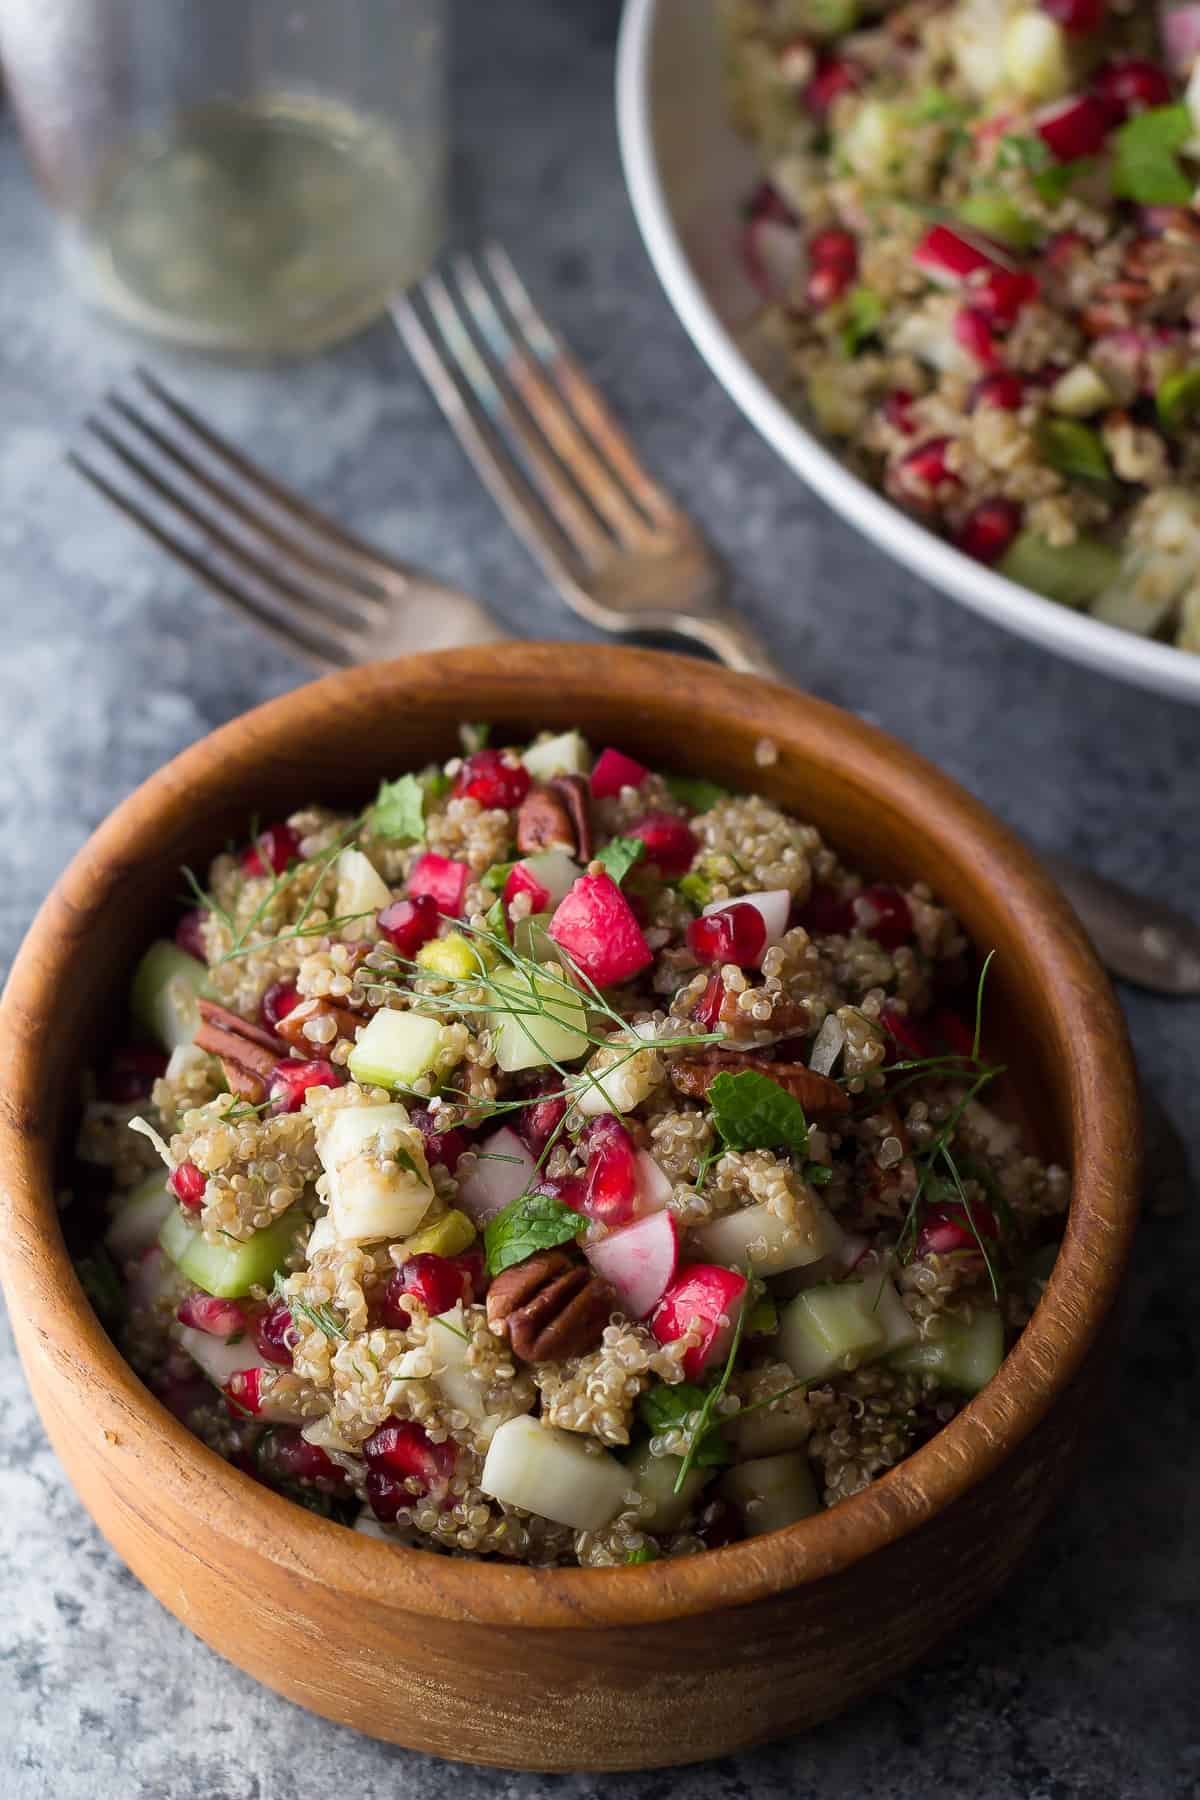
<point>1037,56</point>
<point>555,1473</point>
<point>376,1174</point>
<point>567,754</point>
<point>361,890</point>
<point>395,1049</point>
<point>550,1026</point>
<point>757,1236</point>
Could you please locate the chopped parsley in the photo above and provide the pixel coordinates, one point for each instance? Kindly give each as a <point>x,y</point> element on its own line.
<point>863,317</point>
<point>399,811</point>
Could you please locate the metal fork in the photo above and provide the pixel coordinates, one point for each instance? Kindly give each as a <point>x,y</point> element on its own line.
<point>617,548</point>
<point>313,586</point>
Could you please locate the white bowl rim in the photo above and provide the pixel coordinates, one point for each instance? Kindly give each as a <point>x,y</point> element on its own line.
<point>1075,636</point>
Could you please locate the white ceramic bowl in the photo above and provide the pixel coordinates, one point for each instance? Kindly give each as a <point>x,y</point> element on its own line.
<point>688,173</point>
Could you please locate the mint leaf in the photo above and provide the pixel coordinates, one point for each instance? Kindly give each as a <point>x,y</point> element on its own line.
<point>695,792</point>
<point>662,1409</point>
<point>752,1112</point>
<point>530,1223</point>
<point>864,316</point>
<point>495,877</point>
<point>1145,167</point>
<point>619,855</point>
<point>399,811</point>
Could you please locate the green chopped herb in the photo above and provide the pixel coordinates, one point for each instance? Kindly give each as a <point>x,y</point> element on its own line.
<point>992,212</point>
<point>530,1223</point>
<point>496,923</point>
<point>1073,449</point>
<point>752,1112</point>
<point>764,1318</point>
<point>933,107</point>
<point>495,877</point>
<point>1145,164</point>
<point>474,737</point>
<point>695,791</point>
<point>818,1174</point>
<point>863,317</point>
<point>399,811</point>
<point>647,1553</point>
<point>1178,398</point>
<point>620,855</point>
<point>696,888</point>
<point>663,1409</point>
<point>435,781</point>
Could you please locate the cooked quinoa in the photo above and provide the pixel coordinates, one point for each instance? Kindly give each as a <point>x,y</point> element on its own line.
<point>559,1161</point>
<point>978,241</point>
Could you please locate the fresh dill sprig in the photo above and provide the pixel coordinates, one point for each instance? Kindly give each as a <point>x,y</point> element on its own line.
<point>243,940</point>
<point>320,1317</point>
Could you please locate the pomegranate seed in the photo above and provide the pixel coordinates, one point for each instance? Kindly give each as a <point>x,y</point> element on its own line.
<point>435,1281</point>
<point>1063,248</point>
<point>707,1010</point>
<point>274,1333</point>
<point>766,202</point>
<point>407,924</point>
<point>284,1454</point>
<point>835,75</point>
<point>188,1183</point>
<point>884,914</point>
<point>736,934</point>
<point>1001,294</point>
<point>537,1123</point>
<point>827,283</point>
<point>906,1032</point>
<point>1076,127</point>
<point>132,1073</point>
<point>189,933</point>
<point>1075,16</point>
<point>220,1318</point>
<point>278,1001</point>
<point>972,329</point>
<point>271,851</point>
<point>403,1449</point>
<point>386,1495</point>
<point>1131,85</point>
<point>948,1228</point>
<point>570,1189</point>
<point>1003,389</point>
<point>443,1147</point>
<point>611,1180</point>
<point>243,1392</point>
<point>897,410</point>
<point>473,1263</point>
<point>670,844</point>
<point>825,913</point>
<point>718,1525</point>
<point>989,529</point>
<point>183,1395</point>
<point>919,474</point>
<point>292,1080</point>
<point>492,780</point>
<point>954,1032</point>
<point>833,264</point>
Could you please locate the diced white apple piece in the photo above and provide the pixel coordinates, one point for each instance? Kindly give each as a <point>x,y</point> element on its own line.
<point>322,1236</point>
<point>219,1358</point>
<point>151,1279</point>
<point>772,907</point>
<point>554,872</point>
<point>619,1077</point>
<point>136,1224</point>
<point>453,1374</point>
<point>370,1526</point>
<point>875,143</point>
<point>663,1510</point>
<point>826,1329</point>
<point>1080,391</point>
<point>503,1169</point>
<point>770,1430</point>
<point>377,1176</point>
<point>567,754</point>
<point>361,889</point>
<point>555,1473</point>
<point>639,1260</point>
<point>757,1236</point>
<point>654,1187</point>
<point>1037,56</point>
<point>395,1049</point>
<point>771,1492</point>
<point>543,1020</point>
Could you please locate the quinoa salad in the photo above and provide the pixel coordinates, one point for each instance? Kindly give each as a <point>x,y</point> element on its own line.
<point>559,1161</point>
<point>978,241</point>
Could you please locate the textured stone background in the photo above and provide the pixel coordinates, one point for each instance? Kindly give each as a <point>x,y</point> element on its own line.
<point>1081,1682</point>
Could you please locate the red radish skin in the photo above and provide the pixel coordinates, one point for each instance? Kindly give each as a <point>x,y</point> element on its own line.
<point>910,1042</point>
<point>281,998</point>
<point>972,329</point>
<point>219,1318</point>
<point>705,1300</point>
<point>189,933</point>
<point>407,924</point>
<point>1077,17</point>
<point>188,1183</point>
<point>640,1262</point>
<point>947,258</point>
<point>292,1081</point>
<point>1075,128</point>
<point>597,928</point>
<point>271,851</point>
<point>948,1228</point>
<point>243,1393</point>
<point>442,879</point>
<point>670,843</point>
<point>1003,389</point>
<point>1001,294</point>
<point>491,779</point>
<point>521,882</point>
<point>610,1191</point>
<point>614,771</point>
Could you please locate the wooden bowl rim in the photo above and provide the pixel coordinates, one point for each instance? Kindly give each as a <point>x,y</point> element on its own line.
<point>1072,991</point>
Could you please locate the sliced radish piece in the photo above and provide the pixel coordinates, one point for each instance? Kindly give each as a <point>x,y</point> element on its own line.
<point>547,878</point>
<point>503,1171</point>
<point>614,771</point>
<point>443,879</point>
<point>654,1188</point>
<point>244,1394</point>
<point>948,258</point>
<point>219,1359</point>
<point>706,1301</point>
<point>1179,27</point>
<point>639,1261</point>
<point>596,926</point>
<point>1075,127</point>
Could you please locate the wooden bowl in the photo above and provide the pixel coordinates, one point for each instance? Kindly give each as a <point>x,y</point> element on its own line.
<point>572,1668</point>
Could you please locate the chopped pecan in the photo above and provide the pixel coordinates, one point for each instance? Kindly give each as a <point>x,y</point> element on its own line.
<point>694,1075</point>
<point>291,1026</point>
<point>543,823</point>
<point>248,1053</point>
<point>576,795</point>
<point>550,1307</point>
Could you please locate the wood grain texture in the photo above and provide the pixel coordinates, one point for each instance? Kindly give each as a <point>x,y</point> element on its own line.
<point>574,1669</point>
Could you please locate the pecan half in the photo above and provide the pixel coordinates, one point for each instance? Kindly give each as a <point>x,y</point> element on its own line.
<point>291,1026</point>
<point>550,1307</point>
<point>576,795</point>
<point>543,823</point>
<point>248,1053</point>
<point>694,1075</point>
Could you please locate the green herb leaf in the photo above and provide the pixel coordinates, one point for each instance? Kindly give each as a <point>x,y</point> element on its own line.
<point>1073,449</point>
<point>647,1553</point>
<point>620,855</point>
<point>399,811</point>
<point>530,1223</point>
<point>696,888</point>
<point>435,781</point>
<point>495,877</point>
<point>818,1174</point>
<point>933,107</point>
<point>989,210</point>
<point>764,1318</point>
<point>1145,165</point>
<point>695,791</point>
<point>1178,398</point>
<point>752,1112</point>
<point>496,922</point>
<point>862,319</point>
<point>474,737</point>
<point>663,1409</point>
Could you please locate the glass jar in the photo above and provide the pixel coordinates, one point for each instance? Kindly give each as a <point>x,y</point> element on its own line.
<point>238,175</point>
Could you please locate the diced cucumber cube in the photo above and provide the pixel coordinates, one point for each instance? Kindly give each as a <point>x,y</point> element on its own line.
<point>447,1236</point>
<point>543,1020</point>
<point>825,1329</point>
<point>771,1492</point>
<point>567,754</point>
<point>1072,574</point>
<point>558,1474</point>
<point>163,997</point>
<point>532,940</point>
<point>964,1357</point>
<point>227,1270</point>
<point>376,1173</point>
<point>1037,56</point>
<point>361,889</point>
<point>395,1049</point>
<point>770,1430</point>
<point>654,1477</point>
<point>139,1219</point>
